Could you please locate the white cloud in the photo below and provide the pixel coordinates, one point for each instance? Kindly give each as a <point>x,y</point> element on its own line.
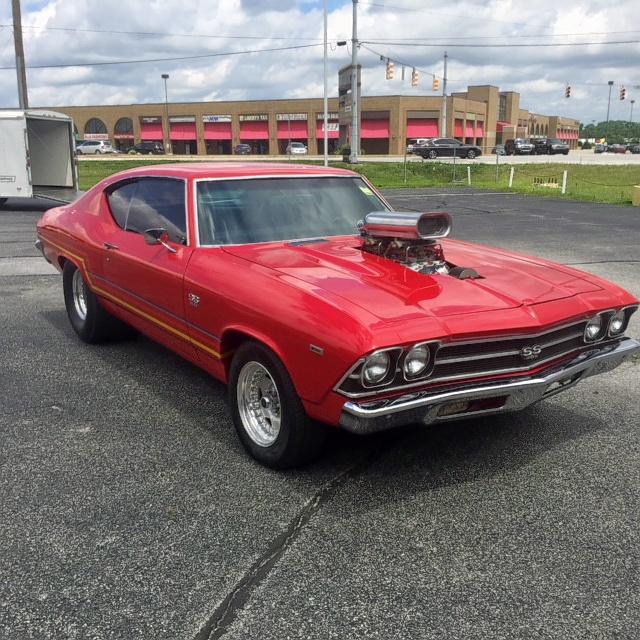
<point>538,73</point>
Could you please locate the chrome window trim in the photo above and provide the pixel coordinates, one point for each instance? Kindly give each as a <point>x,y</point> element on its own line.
<point>266,177</point>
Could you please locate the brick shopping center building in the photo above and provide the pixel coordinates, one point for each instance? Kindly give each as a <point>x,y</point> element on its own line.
<point>482,115</point>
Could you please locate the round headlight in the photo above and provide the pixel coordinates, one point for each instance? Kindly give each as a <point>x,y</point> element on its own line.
<point>616,324</point>
<point>593,329</point>
<point>416,361</point>
<point>376,367</point>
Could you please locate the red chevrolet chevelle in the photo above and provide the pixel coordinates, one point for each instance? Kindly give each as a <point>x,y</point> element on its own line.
<point>318,305</point>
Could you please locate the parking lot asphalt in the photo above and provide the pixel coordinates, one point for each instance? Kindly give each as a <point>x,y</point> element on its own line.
<point>129,510</point>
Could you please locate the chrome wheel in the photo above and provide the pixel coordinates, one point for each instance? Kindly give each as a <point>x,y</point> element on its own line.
<point>259,404</point>
<point>79,295</point>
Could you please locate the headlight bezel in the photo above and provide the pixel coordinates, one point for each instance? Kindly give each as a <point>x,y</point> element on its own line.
<point>606,318</point>
<point>394,354</point>
<point>428,368</point>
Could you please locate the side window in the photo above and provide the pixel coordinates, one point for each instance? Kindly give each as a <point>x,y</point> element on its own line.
<point>119,200</point>
<point>151,203</point>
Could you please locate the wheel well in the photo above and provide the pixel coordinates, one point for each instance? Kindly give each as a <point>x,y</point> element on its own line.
<point>230,342</point>
<point>62,261</point>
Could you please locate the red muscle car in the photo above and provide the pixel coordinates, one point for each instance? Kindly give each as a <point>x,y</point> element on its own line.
<point>317,304</point>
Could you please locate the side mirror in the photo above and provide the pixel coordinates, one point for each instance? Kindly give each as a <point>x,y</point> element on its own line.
<point>158,236</point>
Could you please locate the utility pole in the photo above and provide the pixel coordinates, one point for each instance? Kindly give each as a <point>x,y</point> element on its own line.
<point>632,102</point>
<point>355,104</point>
<point>168,150</point>
<point>325,98</point>
<point>444,98</point>
<point>610,83</point>
<point>23,97</point>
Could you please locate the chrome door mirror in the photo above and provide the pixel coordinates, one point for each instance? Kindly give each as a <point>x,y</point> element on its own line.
<point>158,235</point>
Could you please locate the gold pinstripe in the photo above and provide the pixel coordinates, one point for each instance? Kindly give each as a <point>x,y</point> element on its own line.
<point>139,312</point>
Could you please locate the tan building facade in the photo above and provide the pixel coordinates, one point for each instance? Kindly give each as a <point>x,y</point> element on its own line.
<point>482,115</point>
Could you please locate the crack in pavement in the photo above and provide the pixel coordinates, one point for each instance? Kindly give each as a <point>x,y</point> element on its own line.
<point>227,611</point>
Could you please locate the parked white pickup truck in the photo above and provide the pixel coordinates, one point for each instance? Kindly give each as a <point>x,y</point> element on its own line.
<point>37,155</point>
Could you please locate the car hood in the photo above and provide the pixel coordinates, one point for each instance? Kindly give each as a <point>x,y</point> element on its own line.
<point>391,291</point>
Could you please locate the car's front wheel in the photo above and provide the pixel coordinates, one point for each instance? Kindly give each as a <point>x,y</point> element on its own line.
<point>267,412</point>
<point>432,155</point>
<point>471,154</point>
<point>88,318</point>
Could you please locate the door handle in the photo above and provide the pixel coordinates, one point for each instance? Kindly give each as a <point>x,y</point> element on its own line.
<point>108,245</point>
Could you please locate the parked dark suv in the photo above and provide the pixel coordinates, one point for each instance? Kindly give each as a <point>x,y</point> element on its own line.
<point>145,148</point>
<point>446,147</point>
<point>518,146</point>
<point>550,146</point>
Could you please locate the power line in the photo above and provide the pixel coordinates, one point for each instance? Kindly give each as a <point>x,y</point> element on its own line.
<point>196,57</point>
<point>163,34</point>
<point>500,45</point>
<point>505,36</point>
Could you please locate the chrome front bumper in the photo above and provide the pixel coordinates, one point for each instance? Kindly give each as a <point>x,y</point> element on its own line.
<point>427,407</point>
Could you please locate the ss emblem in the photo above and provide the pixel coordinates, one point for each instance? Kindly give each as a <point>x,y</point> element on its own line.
<point>531,353</point>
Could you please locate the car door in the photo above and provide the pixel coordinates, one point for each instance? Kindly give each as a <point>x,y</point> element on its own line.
<point>147,280</point>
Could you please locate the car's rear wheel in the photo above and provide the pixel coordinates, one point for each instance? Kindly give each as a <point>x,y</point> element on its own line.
<point>471,154</point>
<point>88,318</point>
<point>432,155</point>
<point>267,413</point>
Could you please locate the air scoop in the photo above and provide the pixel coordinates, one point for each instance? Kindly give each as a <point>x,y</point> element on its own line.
<point>411,225</point>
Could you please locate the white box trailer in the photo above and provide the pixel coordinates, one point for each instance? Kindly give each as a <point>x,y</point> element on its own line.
<point>37,155</point>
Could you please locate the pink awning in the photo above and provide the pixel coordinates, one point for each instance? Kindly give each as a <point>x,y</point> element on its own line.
<point>501,126</point>
<point>479,129</point>
<point>374,129</point>
<point>423,128</point>
<point>333,132</point>
<point>254,130</point>
<point>183,131</point>
<point>468,130</point>
<point>217,131</point>
<point>294,129</point>
<point>457,129</point>
<point>151,131</point>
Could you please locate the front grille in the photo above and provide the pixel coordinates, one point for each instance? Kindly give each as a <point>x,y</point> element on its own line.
<point>504,355</point>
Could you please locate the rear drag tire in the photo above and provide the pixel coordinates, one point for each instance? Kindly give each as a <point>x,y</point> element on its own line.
<point>91,322</point>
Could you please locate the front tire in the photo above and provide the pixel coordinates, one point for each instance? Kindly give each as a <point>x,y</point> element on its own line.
<point>471,154</point>
<point>432,155</point>
<point>267,413</point>
<point>89,320</point>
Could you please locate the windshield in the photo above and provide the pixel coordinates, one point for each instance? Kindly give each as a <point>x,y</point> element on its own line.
<point>272,209</point>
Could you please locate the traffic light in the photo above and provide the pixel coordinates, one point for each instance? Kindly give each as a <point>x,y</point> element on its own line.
<point>414,78</point>
<point>567,91</point>
<point>623,93</point>
<point>389,70</point>
<point>435,85</point>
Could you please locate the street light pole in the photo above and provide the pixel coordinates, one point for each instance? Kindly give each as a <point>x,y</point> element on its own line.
<point>325,98</point>
<point>167,149</point>
<point>23,98</point>
<point>355,105</point>
<point>631,114</point>
<point>444,98</point>
<point>610,83</point>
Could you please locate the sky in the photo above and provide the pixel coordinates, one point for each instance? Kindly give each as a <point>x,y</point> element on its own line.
<point>67,32</point>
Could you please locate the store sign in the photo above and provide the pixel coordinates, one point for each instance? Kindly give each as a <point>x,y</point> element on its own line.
<point>150,119</point>
<point>331,126</point>
<point>291,116</point>
<point>96,136</point>
<point>177,119</point>
<point>254,117</point>
<point>330,116</point>
<point>216,118</point>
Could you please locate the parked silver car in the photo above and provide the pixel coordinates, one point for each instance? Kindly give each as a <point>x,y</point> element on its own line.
<point>88,147</point>
<point>297,148</point>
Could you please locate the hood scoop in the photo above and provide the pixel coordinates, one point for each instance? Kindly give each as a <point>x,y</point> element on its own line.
<point>410,239</point>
